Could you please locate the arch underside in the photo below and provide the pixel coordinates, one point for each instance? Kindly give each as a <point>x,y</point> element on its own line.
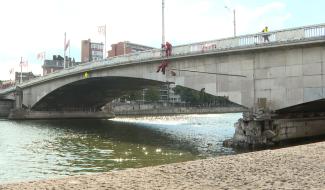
<point>91,93</point>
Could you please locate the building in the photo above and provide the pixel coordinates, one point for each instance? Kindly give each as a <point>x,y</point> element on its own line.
<point>7,84</point>
<point>25,76</point>
<point>126,47</point>
<point>91,51</point>
<point>56,64</point>
<point>167,94</point>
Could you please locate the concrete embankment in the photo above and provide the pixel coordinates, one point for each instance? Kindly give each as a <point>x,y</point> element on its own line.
<point>299,167</point>
<point>27,115</point>
<point>5,107</point>
<point>167,110</point>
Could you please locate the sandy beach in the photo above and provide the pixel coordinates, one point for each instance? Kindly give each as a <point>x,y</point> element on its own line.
<point>299,167</point>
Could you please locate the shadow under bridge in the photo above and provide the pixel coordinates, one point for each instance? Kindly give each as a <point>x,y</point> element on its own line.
<point>91,93</point>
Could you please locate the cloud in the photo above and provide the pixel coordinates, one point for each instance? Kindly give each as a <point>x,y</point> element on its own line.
<point>253,19</point>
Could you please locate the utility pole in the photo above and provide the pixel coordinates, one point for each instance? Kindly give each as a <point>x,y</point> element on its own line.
<point>234,14</point>
<point>234,23</point>
<point>65,41</point>
<point>124,47</point>
<point>105,44</point>
<point>163,22</point>
<point>21,70</point>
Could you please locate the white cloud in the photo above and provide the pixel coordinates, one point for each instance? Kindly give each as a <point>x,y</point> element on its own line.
<point>253,19</point>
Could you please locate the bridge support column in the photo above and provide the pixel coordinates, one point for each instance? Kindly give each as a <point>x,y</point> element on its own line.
<point>252,132</point>
<point>18,98</point>
<point>264,129</point>
<point>5,107</point>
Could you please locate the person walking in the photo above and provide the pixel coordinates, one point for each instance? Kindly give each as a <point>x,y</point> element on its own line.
<point>265,35</point>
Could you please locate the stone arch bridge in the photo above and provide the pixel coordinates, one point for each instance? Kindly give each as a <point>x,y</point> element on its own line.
<point>284,77</point>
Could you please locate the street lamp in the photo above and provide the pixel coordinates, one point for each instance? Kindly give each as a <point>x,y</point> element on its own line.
<point>234,12</point>
<point>163,22</point>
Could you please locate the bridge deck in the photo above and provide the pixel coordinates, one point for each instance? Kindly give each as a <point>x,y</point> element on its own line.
<point>287,37</point>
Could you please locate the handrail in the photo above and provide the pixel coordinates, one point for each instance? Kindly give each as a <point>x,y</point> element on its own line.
<point>286,35</point>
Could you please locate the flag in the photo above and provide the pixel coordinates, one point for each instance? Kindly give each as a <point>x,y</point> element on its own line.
<point>23,64</point>
<point>41,56</point>
<point>66,45</point>
<point>102,30</point>
<point>11,70</point>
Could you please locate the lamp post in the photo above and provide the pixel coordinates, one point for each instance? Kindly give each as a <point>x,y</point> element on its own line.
<point>163,22</point>
<point>234,12</point>
<point>21,70</point>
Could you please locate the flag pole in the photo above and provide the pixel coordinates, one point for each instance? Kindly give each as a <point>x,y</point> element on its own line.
<point>65,35</point>
<point>163,22</point>
<point>69,55</point>
<point>21,70</point>
<point>105,43</point>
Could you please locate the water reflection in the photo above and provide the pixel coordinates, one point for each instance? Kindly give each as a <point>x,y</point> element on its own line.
<point>42,149</point>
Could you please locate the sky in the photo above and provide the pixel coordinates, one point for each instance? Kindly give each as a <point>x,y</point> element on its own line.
<point>35,26</point>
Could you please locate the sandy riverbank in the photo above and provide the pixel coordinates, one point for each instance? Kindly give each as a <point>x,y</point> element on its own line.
<point>299,167</point>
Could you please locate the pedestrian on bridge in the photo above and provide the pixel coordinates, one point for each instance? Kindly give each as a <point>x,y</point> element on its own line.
<point>265,35</point>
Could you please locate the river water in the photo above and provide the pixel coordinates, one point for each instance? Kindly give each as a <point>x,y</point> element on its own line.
<point>51,148</point>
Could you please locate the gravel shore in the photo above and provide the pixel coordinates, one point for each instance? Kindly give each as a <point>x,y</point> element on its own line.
<point>299,167</point>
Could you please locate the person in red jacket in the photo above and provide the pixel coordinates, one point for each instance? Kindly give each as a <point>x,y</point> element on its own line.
<point>168,49</point>
<point>163,66</point>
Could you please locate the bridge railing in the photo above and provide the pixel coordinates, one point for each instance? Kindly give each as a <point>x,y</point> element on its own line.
<point>314,31</point>
<point>279,36</point>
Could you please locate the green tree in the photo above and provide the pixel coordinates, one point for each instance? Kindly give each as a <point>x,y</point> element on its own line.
<point>187,95</point>
<point>200,97</point>
<point>152,94</point>
<point>132,96</point>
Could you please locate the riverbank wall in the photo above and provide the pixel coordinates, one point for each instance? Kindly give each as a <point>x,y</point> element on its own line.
<point>5,107</point>
<point>21,114</point>
<point>156,109</point>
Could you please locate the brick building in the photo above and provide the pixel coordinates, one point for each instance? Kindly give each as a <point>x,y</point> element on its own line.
<point>126,47</point>
<point>91,51</point>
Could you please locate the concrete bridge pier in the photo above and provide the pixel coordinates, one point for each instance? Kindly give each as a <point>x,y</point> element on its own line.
<point>5,107</point>
<point>18,98</point>
<point>253,130</point>
<point>265,128</point>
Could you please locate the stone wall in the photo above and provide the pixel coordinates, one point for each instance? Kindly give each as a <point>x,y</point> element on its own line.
<point>155,109</point>
<point>5,107</point>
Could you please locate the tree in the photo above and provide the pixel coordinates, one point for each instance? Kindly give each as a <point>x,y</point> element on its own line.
<point>132,96</point>
<point>152,94</point>
<point>200,97</point>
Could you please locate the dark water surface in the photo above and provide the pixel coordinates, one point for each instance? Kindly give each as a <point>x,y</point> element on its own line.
<point>51,148</point>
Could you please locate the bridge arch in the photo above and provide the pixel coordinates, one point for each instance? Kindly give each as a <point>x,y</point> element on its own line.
<point>90,93</point>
